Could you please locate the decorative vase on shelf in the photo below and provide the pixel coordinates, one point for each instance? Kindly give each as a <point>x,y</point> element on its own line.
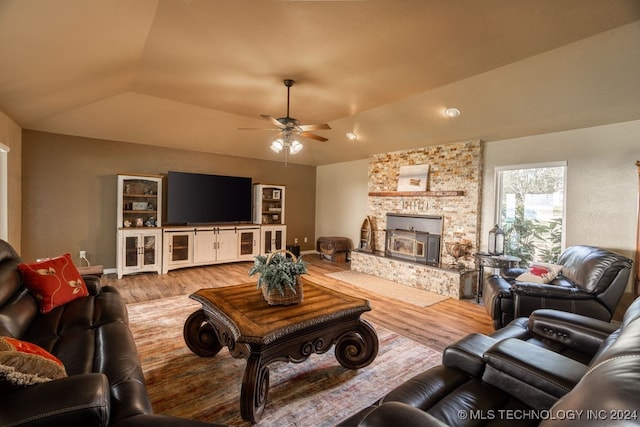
<point>278,279</point>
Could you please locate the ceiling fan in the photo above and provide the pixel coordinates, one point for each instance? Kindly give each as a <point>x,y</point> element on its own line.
<point>290,127</point>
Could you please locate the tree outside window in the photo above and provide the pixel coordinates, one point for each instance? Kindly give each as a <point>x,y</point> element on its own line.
<point>531,210</point>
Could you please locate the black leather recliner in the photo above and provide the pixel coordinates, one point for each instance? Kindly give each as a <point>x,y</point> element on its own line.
<point>552,369</point>
<point>591,283</point>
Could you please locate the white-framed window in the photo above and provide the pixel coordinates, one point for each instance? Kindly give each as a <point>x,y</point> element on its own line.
<point>530,208</point>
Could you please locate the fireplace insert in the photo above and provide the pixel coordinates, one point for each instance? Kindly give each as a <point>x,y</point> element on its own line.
<point>413,238</point>
<point>416,246</point>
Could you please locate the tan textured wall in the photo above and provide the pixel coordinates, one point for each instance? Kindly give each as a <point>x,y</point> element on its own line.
<point>11,136</point>
<point>69,190</point>
<point>341,204</point>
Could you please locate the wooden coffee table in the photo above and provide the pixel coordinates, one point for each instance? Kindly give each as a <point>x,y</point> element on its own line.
<point>238,317</point>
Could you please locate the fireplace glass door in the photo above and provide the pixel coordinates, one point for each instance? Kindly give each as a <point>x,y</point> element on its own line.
<point>413,246</point>
<point>406,246</point>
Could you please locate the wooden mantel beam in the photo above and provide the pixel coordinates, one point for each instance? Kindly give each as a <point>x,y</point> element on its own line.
<point>416,193</point>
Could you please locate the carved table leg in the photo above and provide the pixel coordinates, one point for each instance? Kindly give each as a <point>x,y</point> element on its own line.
<point>200,336</point>
<point>357,349</point>
<point>255,387</point>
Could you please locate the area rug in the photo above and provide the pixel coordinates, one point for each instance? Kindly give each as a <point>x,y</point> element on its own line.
<point>317,392</point>
<point>388,288</point>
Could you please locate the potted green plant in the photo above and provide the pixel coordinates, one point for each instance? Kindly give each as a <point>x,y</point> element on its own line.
<point>279,277</point>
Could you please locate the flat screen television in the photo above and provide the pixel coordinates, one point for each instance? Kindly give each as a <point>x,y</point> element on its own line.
<point>194,198</point>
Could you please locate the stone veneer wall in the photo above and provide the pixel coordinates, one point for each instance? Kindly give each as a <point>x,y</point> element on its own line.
<point>452,167</point>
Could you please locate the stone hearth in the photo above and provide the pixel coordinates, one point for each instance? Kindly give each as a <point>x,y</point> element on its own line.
<point>449,282</point>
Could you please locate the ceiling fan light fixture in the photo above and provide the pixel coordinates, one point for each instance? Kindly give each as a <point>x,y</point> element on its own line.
<point>295,147</point>
<point>277,145</point>
<point>290,128</point>
<point>452,112</point>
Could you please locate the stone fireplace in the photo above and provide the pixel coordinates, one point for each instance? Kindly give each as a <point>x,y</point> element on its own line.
<point>409,253</point>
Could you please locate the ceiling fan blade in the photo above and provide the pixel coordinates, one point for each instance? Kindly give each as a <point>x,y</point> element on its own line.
<point>259,129</point>
<point>321,126</point>
<point>313,136</point>
<point>274,121</point>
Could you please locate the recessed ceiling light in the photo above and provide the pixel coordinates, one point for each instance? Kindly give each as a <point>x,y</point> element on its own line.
<point>452,112</point>
<point>352,136</point>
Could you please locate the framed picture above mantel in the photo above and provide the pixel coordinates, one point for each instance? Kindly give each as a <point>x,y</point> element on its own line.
<point>413,178</point>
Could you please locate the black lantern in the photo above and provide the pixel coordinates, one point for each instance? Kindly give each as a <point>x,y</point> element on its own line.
<point>496,241</point>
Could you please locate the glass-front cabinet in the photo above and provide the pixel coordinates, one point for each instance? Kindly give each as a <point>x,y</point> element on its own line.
<point>248,243</point>
<point>178,248</point>
<point>139,217</point>
<point>139,251</point>
<point>273,238</point>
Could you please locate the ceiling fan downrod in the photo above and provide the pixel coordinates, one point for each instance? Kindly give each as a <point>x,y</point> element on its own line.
<point>288,83</point>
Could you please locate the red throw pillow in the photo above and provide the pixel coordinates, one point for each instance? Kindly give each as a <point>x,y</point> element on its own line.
<point>54,282</point>
<point>23,363</point>
<point>540,272</point>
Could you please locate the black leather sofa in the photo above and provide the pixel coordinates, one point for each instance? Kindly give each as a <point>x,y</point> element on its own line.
<point>591,283</point>
<point>90,336</point>
<point>551,369</point>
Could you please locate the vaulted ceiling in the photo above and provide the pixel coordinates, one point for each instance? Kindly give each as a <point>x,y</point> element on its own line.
<point>189,73</point>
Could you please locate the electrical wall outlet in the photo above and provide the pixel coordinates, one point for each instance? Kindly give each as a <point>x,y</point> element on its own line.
<point>306,239</point>
<point>83,254</point>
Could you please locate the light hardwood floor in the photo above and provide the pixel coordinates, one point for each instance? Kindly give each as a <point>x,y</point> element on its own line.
<point>435,326</point>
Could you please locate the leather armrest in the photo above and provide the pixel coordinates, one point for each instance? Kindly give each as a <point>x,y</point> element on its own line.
<point>79,400</point>
<point>499,286</point>
<point>93,283</point>
<point>512,273</point>
<point>548,291</point>
<point>519,365</point>
<point>578,332</point>
<point>498,300</point>
<point>399,414</point>
<point>466,354</point>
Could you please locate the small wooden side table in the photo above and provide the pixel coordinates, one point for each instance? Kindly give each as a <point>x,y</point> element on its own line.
<point>94,270</point>
<point>492,261</point>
